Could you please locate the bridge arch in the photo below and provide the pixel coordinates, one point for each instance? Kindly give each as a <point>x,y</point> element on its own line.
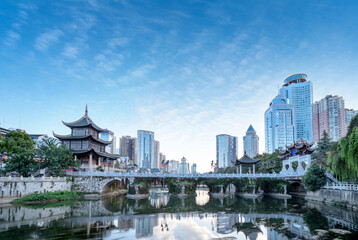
<point>113,184</point>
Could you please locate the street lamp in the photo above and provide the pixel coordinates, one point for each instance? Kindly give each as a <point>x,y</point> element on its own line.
<point>2,157</point>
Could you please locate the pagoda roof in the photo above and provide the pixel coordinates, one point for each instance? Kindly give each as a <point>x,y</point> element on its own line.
<point>299,147</point>
<point>246,159</point>
<point>70,137</point>
<point>84,121</point>
<point>100,154</point>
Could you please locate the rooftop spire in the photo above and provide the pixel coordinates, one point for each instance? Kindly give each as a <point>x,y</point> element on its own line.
<point>86,112</point>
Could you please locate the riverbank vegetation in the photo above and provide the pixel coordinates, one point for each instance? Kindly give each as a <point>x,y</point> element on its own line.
<point>175,187</point>
<point>25,160</point>
<point>47,197</point>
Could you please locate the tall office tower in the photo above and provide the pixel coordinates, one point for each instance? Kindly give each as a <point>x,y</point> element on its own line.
<point>128,147</point>
<point>226,150</point>
<point>183,167</point>
<point>173,166</point>
<point>251,142</point>
<point>329,115</point>
<point>162,160</point>
<point>280,124</point>
<point>193,168</point>
<point>108,135</point>
<point>299,93</point>
<point>350,114</point>
<point>156,161</point>
<point>145,149</point>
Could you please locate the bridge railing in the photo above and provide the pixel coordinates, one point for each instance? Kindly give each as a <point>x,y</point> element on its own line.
<point>25,179</point>
<point>342,186</point>
<point>175,175</point>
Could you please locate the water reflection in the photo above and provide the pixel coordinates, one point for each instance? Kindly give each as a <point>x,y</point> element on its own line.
<point>165,217</point>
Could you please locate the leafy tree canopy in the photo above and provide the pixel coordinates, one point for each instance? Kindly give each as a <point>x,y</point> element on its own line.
<point>323,147</point>
<point>353,124</point>
<point>16,142</point>
<point>57,156</point>
<point>314,178</point>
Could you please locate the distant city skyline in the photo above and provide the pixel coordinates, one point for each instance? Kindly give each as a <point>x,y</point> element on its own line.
<point>185,70</point>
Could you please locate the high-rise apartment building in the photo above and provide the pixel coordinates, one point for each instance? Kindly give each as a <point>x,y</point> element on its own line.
<point>251,142</point>
<point>350,114</point>
<point>108,135</point>
<point>299,92</point>
<point>183,167</point>
<point>128,147</point>
<point>173,166</point>
<point>226,150</point>
<point>156,160</point>
<point>280,124</point>
<point>329,115</point>
<point>193,168</point>
<point>145,149</point>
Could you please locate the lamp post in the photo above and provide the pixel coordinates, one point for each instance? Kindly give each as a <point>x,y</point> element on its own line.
<point>2,157</point>
<point>38,160</point>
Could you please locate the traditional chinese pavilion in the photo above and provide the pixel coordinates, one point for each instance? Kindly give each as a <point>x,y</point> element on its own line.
<point>85,142</point>
<point>246,160</point>
<point>299,152</point>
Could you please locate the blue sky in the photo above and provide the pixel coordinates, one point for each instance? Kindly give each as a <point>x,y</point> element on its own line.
<point>187,70</point>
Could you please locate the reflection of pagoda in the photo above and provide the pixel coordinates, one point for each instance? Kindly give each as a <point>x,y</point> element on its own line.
<point>299,152</point>
<point>85,142</point>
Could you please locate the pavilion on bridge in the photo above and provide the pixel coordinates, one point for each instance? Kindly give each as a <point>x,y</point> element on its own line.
<point>299,152</point>
<point>246,160</point>
<point>85,143</point>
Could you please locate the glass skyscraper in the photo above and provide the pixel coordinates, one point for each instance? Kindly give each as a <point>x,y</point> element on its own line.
<point>251,142</point>
<point>145,149</point>
<point>299,92</point>
<point>226,150</point>
<point>280,124</point>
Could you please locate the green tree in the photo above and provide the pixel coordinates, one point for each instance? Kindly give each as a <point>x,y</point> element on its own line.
<point>20,153</point>
<point>343,157</point>
<point>353,124</point>
<point>57,156</point>
<point>270,163</point>
<point>314,178</point>
<point>323,147</point>
<point>18,141</point>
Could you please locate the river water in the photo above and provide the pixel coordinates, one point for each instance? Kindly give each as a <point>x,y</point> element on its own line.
<point>165,217</point>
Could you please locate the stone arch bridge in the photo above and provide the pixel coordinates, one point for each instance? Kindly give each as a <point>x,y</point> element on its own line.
<point>102,181</point>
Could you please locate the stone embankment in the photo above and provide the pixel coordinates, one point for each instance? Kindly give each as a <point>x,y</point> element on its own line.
<point>338,197</point>
<point>15,187</point>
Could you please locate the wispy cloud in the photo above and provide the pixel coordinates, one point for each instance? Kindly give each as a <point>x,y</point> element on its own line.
<point>70,51</point>
<point>48,38</point>
<point>11,38</point>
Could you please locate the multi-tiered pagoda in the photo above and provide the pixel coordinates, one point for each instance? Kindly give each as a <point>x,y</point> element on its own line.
<point>85,143</point>
<point>299,152</point>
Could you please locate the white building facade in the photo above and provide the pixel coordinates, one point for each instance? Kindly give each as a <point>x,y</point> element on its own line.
<point>280,124</point>
<point>145,149</point>
<point>251,142</point>
<point>299,92</point>
<point>183,167</point>
<point>226,150</point>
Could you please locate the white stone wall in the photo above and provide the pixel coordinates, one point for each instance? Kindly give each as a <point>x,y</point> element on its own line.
<point>300,159</point>
<point>19,187</point>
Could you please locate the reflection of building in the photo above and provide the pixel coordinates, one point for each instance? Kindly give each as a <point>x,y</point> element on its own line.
<point>226,150</point>
<point>329,115</point>
<point>85,142</point>
<point>144,226</point>
<point>108,135</point>
<point>299,92</point>
<point>145,149</point>
<point>280,124</point>
<point>225,223</point>
<point>193,168</point>
<point>251,142</point>
<point>173,166</point>
<point>128,147</point>
<point>183,167</point>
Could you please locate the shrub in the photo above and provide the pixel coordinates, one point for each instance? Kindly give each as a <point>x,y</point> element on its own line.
<point>40,197</point>
<point>314,178</point>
